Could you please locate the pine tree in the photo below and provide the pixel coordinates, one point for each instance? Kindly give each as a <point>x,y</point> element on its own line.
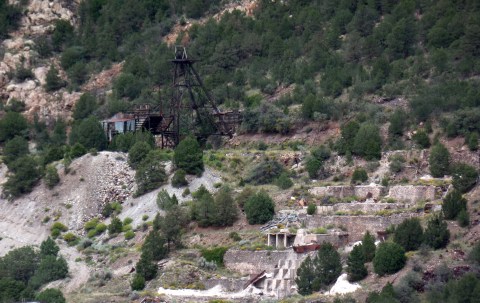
<point>437,234</point>
<point>155,244</point>
<point>439,161</point>
<point>305,277</point>
<point>327,266</point>
<point>226,210</point>
<point>49,248</point>
<point>453,203</point>
<point>464,177</point>
<point>259,208</point>
<point>52,81</point>
<point>368,142</point>
<point>356,264</point>
<point>189,156</point>
<point>368,245</point>
<point>409,234</point>
<point>389,258</point>
<point>146,267</point>
<point>172,224</point>
<point>205,210</point>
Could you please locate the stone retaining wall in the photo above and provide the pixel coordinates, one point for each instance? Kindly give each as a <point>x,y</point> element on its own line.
<point>366,208</point>
<point>361,192</point>
<point>411,193</point>
<point>356,226</point>
<point>231,285</point>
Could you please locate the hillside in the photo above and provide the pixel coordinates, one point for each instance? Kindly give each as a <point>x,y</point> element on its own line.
<point>357,116</point>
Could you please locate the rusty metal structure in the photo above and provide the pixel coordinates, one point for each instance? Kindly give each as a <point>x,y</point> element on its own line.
<point>191,110</point>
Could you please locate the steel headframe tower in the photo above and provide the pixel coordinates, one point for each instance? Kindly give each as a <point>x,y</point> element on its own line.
<point>192,107</point>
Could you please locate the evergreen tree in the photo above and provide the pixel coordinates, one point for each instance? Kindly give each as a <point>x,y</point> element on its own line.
<point>349,132</point>
<point>84,106</point>
<point>14,149</point>
<point>327,266</point>
<point>473,141</point>
<point>305,277</point>
<point>155,244</point>
<point>172,224</point>
<point>12,124</point>
<point>137,153</point>
<point>89,133</point>
<point>439,161</point>
<point>368,245</point>
<point>437,234</point>
<point>51,295</point>
<point>53,81</point>
<point>49,248</point>
<point>422,139</point>
<point>397,123</point>
<point>164,201</point>
<point>464,177</point>
<point>115,226</point>
<point>356,264</point>
<point>205,210</point>
<point>259,208</point>
<point>51,176</point>
<point>146,267</point>
<point>453,203</point>
<point>178,179</point>
<point>359,176</point>
<point>189,156</point>
<point>368,142</point>
<point>150,173</point>
<point>226,210</point>
<point>389,258</point>
<point>409,234</point>
<point>25,174</point>
<point>138,282</point>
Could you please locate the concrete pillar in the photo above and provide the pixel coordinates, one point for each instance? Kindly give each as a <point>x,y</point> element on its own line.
<point>276,241</point>
<point>285,240</point>
<point>268,239</point>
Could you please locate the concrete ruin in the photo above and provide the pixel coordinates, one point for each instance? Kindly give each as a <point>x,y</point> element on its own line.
<point>358,225</point>
<point>364,208</point>
<point>361,192</point>
<point>412,193</point>
<point>281,239</point>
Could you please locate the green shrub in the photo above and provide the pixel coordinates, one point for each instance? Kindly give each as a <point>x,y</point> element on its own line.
<point>51,295</point>
<point>60,226</point>
<point>389,258</point>
<point>89,225</point>
<point>51,176</point>
<point>178,179</point>
<point>356,264</point>
<point>422,139</point>
<point>397,163</point>
<point>284,181</point>
<point>437,234</point>
<point>463,218</point>
<point>129,235</point>
<point>409,234</point>
<point>53,81</point>
<point>234,236</point>
<point>464,177</point>
<point>474,255</point>
<point>77,150</point>
<point>137,153</point>
<point>138,282</point>
<point>453,203</point>
<point>311,208</point>
<point>359,176</point>
<point>214,254</point>
<point>100,228</point>
<point>439,161</point>
<point>150,173</point>
<point>189,156</point>
<point>115,226</point>
<point>164,201</point>
<point>259,208</point>
<point>264,172</point>
<point>472,141</point>
<point>69,237</point>
<point>369,247</point>
<point>313,165</point>
<point>368,142</point>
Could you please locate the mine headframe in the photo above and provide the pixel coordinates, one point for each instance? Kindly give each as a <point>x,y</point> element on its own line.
<point>192,109</point>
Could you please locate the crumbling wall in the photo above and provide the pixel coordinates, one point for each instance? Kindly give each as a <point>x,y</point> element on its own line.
<point>253,262</point>
<point>362,192</point>
<point>356,226</point>
<point>366,208</point>
<point>411,193</point>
